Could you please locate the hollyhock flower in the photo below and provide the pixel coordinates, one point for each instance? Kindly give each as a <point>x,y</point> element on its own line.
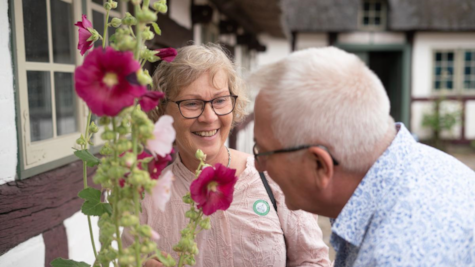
<point>103,81</point>
<point>155,236</point>
<point>162,191</point>
<point>213,189</point>
<point>164,135</point>
<point>86,38</point>
<point>150,99</point>
<point>156,166</point>
<point>167,54</point>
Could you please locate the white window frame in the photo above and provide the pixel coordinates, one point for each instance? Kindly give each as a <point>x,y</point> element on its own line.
<point>458,75</point>
<point>383,16</point>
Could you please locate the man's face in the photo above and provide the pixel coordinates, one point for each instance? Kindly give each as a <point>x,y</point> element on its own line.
<point>291,172</point>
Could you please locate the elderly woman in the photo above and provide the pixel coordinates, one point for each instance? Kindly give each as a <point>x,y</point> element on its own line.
<point>205,97</point>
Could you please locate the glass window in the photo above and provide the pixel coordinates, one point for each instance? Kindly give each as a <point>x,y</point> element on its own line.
<point>469,70</point>
<point>63,32</point>
<point>66,119</point>
<point>39,103</point>
<point>444,70</point>
<point>373,14</point>
<point>35,27</point>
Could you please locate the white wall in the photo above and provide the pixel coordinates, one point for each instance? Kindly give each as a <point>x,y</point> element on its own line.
<point>470,120</point>
<point>371,38</point>
<point>8,144</point>
<point>424,44</point>
<point>309,40</point>
<point>30,253</point>
<point>79,241</point>
<point>277,49</point>
<point>180,12</point>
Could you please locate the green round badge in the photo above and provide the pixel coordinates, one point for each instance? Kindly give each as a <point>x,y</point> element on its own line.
<point>261,207</point>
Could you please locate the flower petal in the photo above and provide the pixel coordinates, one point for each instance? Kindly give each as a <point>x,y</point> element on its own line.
<point>150,100</point>
<point>164,135</point>
<point>162,190</point>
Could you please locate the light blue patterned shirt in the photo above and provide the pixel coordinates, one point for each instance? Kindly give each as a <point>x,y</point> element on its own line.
<point>414,207</point>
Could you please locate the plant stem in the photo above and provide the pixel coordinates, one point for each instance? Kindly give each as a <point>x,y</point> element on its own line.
<point>116,221</point>
<point>180,261</point>
<point>104,40</point>
<point>84,173</point>
<point>138,36</point>
<point>137,213</point>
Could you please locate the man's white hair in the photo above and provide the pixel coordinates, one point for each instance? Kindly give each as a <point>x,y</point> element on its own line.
<point>329,97</point>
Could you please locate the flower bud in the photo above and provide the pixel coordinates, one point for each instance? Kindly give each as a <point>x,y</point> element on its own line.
<point>129,20</point>
<point>191,214</point>
<point>80,141</point>
<point>194,249</point>
<point>205,224</point>
<point>126,43</point>
<point>160,7</point>
<point>187,199</point>
<point>93,128</point>
<point>190,261</point>
<point>99,178</point>
<point>122,130</point>
<point>144,77</point>
<point>136,2</point>
<point>129,220</point>
<point>115,22</point>
<point>116,172</point>
<point>199,154</point>
<point>108,135</point>
<point>114,4</point>
<point>146,16</point>
<point>129,159</point>
<point>94,35</point>
<point>104,121</point>
<point>147,34</point>
<point>107,6</point>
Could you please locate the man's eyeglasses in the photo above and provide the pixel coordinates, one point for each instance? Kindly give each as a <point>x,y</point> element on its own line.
<point>193,108</point>
<point>257,154</point>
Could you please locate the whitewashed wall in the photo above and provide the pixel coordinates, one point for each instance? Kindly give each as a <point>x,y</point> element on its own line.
<point>422,65</point>
<point>8,144</point>
<point>371,38</point>
<point>79,242</point>
<point>180,12</point>
<point>30,253</point>
<point>309,40</point>
<point>277,49</point>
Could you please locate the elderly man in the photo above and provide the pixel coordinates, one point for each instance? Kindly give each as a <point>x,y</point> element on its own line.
<point>324,134</point>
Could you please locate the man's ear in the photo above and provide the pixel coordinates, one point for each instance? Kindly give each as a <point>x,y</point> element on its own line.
<point>323,166</point>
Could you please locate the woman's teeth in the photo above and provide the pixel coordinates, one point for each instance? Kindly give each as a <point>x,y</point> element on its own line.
<point>206,134</point>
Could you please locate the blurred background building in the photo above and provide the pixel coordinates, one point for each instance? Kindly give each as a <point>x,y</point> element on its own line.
<point>422,50</point>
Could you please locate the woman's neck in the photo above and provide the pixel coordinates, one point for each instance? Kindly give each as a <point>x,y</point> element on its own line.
<point>191,163</point>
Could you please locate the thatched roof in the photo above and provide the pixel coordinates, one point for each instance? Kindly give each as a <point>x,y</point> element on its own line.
<point>405,15</point>
<point>255,16</point>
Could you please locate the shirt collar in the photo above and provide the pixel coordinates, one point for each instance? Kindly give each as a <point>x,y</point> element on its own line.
<point>355,216</point>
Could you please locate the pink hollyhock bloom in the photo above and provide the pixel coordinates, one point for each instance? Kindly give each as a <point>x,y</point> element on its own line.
<point>213,189</point>
<point>102,81</point>
<point>164,135</point>
<point>150,100</point>
<point>156,166</point>
<point>162,191</point>
<point>167,54</point>
<point>155,236</point>
<point>84,43</point>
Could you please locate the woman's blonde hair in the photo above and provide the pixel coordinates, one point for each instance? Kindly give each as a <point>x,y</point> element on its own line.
<point>190,62</point>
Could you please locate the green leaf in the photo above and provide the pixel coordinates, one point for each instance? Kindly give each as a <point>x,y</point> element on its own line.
<point>60,262</point>
<point>93,205</point>
<point>87,156</point>
<point>156,28</point>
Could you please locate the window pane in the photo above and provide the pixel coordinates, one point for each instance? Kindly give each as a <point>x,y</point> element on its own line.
<point>449,85</point>
<point>65,103</point>
<point>377,6</point>
<point>377,21</point>
<point>469,70</point>
<point>468,56</point>
<point>63,32</point>
<point>450,56</point>
<point>366,7</point>
<point>366,21</point>
<point>100,2</point>
<point>36,30</point>
<point>98,22</point>
<point>437,85</point>
<point>438,56</point>
<point>39,103</point>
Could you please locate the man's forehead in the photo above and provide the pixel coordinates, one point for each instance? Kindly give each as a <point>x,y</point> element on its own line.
<point>262,121</point>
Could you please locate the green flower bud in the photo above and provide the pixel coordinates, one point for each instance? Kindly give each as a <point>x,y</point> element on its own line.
<point>81,141</point>
<point>94,35</point>
<point>125,260</point>
<point>194,249</point>
<point>116,172</point>
<point>147,34</point>
<point>187,199</point>
<point>205,224</point>
<point>104,121</point>
<point>136,2</point>
<point>99,178</point>
<point>108,135</point>
<point>191,214</point>
<point>177,248</point>
<point>93,128</point>
<point>114,4</point>
<point>163,9</point>
<point>129,20</point>
<point>107,6</point>
<point>122,130</point>
<point>106,151</point>
<point>126,43</point>
<point>129,220</point>
<point>144,77</point>
<point>160,7</point>
<point>190,261</point>
<point>115,22</point>
<point>146,16</point>
<point>129,159</point>
<point>199,154</point>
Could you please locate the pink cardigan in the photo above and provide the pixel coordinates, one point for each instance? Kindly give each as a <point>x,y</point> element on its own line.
<point>239,237</point>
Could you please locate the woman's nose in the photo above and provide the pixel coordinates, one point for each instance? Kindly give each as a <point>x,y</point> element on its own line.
<point>208,114</point>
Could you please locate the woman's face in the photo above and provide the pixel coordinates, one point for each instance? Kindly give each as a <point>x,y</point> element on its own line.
<point>209,131</point>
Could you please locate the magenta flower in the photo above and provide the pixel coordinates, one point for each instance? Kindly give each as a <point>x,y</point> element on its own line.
<point>162,190</point>
<point>164,135</point>
<point>102,81</point>
<point>150,100</point>
<point>167,54</point>
<point>156,166</point>
<point>213,189</point>
<point>85,42</point>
